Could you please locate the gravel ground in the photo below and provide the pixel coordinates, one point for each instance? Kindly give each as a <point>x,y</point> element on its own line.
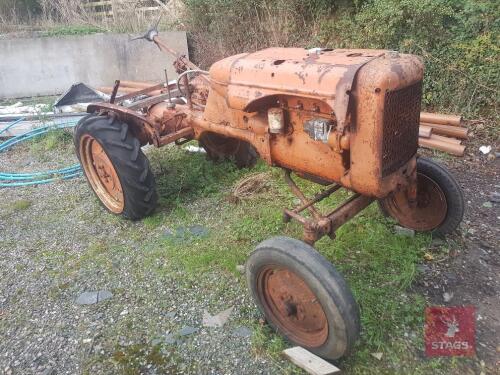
<point>57,242</point>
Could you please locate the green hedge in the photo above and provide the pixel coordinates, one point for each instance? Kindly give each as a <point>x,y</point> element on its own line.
<point>458,39</point>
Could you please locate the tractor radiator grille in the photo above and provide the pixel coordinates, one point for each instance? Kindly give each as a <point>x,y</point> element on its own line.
<point>400,132</point>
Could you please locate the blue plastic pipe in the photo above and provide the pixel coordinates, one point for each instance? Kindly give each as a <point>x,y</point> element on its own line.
<point>13,179</point>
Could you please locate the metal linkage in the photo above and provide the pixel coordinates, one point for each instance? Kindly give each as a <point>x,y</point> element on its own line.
<point>320,225</point>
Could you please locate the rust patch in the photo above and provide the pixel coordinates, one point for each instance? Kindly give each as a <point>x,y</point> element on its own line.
<point>292,306</point>
<point>101,174</point>
<point>322,72</point>
<point>302,76</point>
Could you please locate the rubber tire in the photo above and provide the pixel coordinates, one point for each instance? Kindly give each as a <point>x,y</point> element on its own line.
<point>452,192</point>
<point>130,163</point>
<point>324,281</point>
<point>243,153</point>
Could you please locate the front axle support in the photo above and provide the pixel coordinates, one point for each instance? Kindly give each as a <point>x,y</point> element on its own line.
<point>320,225</point>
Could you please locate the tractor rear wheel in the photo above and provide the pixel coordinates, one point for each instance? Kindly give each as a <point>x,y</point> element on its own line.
<point>303,296</point>
<point>219,147</point>
<point>115,166</point>
<point>440,203</point>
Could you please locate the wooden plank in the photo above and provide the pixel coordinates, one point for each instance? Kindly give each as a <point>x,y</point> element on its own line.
<point>309,362</point>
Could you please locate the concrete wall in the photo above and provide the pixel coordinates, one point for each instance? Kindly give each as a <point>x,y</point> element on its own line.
<point>48,66</point>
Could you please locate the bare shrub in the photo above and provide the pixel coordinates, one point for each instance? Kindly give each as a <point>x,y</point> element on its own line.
<point>16,15</point>
<point>118,16</point>
<point>222,28</point>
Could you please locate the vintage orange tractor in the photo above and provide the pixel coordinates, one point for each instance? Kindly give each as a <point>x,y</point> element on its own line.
<point>343,118</point>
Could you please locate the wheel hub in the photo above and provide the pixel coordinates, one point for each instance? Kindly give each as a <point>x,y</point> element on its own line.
<point>292,306</point>
<point>426,214</point>
<point>101,174</point>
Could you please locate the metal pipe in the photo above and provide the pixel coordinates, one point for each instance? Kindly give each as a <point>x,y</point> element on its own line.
<point>185,74</point>
<point>187,95</point>
<point>450,130</point>
<point>115,91</point>
<point>438,118</point>
<point>438,144</point>
<point>446,139</point>
<point>424,131</point>
<point>296,216</point>
<point>163,47</point>
<point>295,190</point>
<point>347,210</point>
<point>140,85</point>
<point>168,86</point>
<point>169,138</point>
<point>319,197</point>
<point>147,91</point>
<point>126,91</point>
<point>228,131</point>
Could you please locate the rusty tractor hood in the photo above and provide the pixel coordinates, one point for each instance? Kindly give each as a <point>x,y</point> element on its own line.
<point>325,74</point>
<point>245,77</point>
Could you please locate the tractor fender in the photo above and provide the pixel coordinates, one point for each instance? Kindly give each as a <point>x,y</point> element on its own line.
<point>142,127</point>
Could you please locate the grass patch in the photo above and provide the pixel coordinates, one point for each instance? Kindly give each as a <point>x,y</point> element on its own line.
<point>153,221</point>
<point>135,359</point>
<point>266,342</point>
<point>55,142</point>
<point>378,265</point>
<point>21,205</point>
<point>17,206</point>
<point>72,30</point>
<point>54,139</point>
<point>182,176</point>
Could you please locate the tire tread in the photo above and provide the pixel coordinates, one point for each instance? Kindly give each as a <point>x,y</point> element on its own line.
<point>131,165</point>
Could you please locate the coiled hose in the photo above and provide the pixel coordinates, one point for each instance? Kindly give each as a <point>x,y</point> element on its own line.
<point>12,179</point>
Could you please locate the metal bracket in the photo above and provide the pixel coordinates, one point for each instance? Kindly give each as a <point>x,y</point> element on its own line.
<point>320,225</point>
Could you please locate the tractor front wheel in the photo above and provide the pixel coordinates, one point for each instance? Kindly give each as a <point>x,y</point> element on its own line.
<point>115,166</point>
<point>303,297</point>
<point>440,203</point>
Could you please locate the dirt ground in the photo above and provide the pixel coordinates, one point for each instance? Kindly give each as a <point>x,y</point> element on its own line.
<point>470,274</point>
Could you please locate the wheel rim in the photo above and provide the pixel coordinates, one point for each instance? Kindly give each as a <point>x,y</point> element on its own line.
<point>101,174</point>
<point>429,211</point>
<point>292,307</point>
